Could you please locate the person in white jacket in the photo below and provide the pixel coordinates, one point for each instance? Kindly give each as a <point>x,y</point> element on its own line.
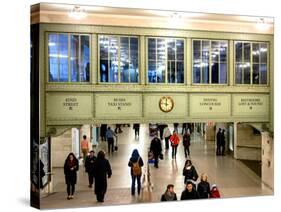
<point>166,135</point>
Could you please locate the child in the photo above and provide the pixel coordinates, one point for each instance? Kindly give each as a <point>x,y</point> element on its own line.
<point>215,192</point>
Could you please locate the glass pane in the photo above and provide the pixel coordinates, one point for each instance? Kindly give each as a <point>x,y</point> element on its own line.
<point>215,51</point>
<point>74,58</point>
<point>180,72</point>
<point>160,72</point>
<point>256,53</point>
<point>152,49</point>
<point>247,75</point>
<point>63,58</point>
<point>223,51</point>
<point>113,74</point>
<point>263,73</point>
<point>124,59</point>
<point>255,73</point>
<point>196,72</point>
<point>247,52</point>
<point>196,45</point>
<point>223,73</point>
<point>152,71</point>
<point>180,49</point>
<point>171,72</point>
<point>238,73</point>
<point>104,44</point>
<point>171,49</point>
<point>85,59</point>
<point>134,48</point>
<point>103,70</point>
<point>263,52</point>
<point>161,45</point>
<point>53,45</point>
<point>134,57</point>
<point>238,52</point>
<point>215,73</point>
<point>134,71</point>
<point>205,72</point>
<point>205,45</point>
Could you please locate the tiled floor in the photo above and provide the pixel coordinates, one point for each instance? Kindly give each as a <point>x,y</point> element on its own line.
<point>233,178</point>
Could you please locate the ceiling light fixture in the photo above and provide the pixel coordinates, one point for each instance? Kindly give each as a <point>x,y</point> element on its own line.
<point>77,12</point>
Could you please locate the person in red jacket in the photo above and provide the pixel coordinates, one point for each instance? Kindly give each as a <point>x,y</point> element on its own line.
<point>175,140</point>
<point>215,192</point>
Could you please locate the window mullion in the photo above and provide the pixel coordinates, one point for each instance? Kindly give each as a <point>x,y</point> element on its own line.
<point>201,60</point>
<point>251,64</point>
<point>108,61</point>
<point>166,61</point>
<point>175,61</point>
<point>118,44</point>
<point>129,58</point>
<point>242,63</point>
<point>79,58</point>
<point>210,62</point>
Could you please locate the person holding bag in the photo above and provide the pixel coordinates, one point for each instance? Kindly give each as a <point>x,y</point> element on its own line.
<point>135,163</point>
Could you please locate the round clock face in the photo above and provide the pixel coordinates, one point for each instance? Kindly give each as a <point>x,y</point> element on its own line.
<point>166,104</point>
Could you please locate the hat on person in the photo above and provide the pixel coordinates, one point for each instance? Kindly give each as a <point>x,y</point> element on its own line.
<point>214,186</point>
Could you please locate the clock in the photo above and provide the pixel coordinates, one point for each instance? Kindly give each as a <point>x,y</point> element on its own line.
<point>166,104</point>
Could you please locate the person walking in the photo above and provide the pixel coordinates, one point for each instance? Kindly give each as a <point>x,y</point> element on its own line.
<point>203,187</point>
<point>186,143</point>
<point>189,172</point>
<point>166,135</point>
<point>184,128</point>
<point>136,127</point>
<point>103,129</point>
<point>135,163</point>
<point>189,192</point>
<point>222,144</point>
<point>84,147</point>
<point>176,125</point>
<point>110,140</point>
<point>169,194</point>
<point>218,152</point>
<point>71,166</point>
<point>156,149</point>
<point>102,171</point>
<point>89,165</point>
<point>175,140</point>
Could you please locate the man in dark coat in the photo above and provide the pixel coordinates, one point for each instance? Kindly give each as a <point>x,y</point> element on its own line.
<point>222,144</point>
<point>102,171</point>
<point>136,127</point>
<point>156,149</point>
<point>186,143</point>
<point>189,192</point>
<point>218,152</point>
<point>170,194</point>
<point>103,129</point>
<point>89,166</point>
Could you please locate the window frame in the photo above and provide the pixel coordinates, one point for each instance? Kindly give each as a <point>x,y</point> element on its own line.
<point>119,58</point>
<point>210,62</point>
<point>251,63</point>
<point>69,56</point>
<point>166,61</point>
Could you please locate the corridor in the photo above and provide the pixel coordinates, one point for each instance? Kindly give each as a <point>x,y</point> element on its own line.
<point>231,176</point>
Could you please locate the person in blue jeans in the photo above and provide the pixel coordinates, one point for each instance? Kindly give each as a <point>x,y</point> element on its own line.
<point>136,163</point>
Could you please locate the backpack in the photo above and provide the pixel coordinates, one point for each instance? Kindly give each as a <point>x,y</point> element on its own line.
<point>136,169</point>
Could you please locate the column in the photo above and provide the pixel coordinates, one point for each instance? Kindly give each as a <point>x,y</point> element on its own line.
<point>235,139</point>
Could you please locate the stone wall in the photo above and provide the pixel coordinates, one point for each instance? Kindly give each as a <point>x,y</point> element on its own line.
<point>268,159</point>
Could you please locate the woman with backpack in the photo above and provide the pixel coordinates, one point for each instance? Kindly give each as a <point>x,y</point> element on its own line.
<point>135,163</point>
